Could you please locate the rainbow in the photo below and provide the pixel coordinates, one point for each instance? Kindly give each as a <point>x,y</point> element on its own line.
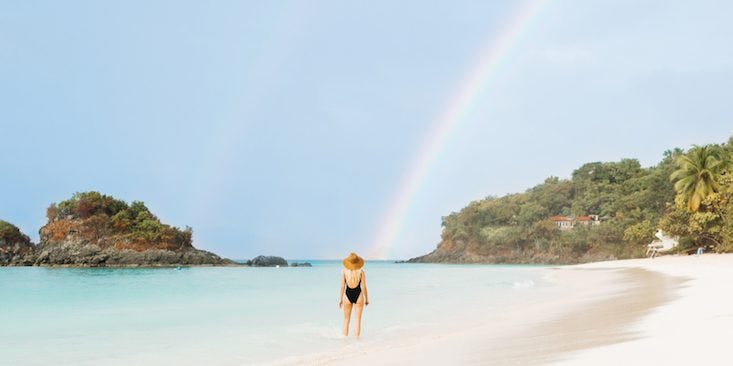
<point>476,81</point>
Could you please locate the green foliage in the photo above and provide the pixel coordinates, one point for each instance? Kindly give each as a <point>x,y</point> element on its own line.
<point>10,234</point>
<point>702,209</point>
<point>640,233</point>
<point>532,212</point>
<point>633,202</point>
<point>109,215</point>
<point>710,226</point>
<point>84,205</point>
<point>554,195</point>
<point>699,172</point>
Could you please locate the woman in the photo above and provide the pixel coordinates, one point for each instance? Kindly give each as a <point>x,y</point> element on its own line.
<point>353,291</point>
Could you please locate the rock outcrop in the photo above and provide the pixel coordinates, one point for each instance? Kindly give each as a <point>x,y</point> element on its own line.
<point>80,254</point>
<point>95,230</point>
<point>462,252</point>
<point>16,248</point>
<point>267,261</point>
<point>303,264</point>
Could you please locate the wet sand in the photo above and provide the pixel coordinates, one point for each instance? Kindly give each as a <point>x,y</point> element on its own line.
<point>695,328</point>
<point>591,307</point>
<point>597,323</point>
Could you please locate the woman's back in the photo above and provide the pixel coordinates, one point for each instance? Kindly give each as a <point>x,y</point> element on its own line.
<point>353,293</point>
<point>352,276</point>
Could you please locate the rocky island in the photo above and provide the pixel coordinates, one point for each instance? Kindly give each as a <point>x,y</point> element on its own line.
<point>95,230</point>
<point>267,261</point>
<point>273,261</point>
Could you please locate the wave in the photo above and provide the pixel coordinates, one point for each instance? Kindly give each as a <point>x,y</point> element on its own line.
<point>329,332</point>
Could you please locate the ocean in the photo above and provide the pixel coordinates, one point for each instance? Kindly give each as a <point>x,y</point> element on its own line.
<point>239,316</point>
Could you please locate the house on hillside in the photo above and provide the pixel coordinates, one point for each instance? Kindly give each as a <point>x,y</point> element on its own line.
<point>588,220</point>
<point>563,222</point>
<point>569,222</point>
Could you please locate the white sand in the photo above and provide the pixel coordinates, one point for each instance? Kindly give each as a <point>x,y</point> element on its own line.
<point>696,328</point>
<point>666,311</point>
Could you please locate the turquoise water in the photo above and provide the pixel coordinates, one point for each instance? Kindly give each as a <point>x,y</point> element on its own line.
<point>234,316</point>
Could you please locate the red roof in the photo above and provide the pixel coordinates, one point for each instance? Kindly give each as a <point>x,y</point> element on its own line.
<point>561,218</point>
<point>570,218</point>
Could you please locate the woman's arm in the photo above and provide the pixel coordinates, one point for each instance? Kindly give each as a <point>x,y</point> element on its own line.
<point>363,283</point>
<point>341,292</point>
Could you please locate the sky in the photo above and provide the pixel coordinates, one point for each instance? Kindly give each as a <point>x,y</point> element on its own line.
<point>305,129</point>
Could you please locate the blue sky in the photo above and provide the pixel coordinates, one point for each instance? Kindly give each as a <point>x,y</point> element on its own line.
<point>285,127</point>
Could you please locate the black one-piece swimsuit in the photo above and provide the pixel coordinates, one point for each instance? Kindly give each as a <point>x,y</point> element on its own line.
<point>353,293</point>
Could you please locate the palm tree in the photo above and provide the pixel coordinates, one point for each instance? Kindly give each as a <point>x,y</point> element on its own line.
<point>698,173</point>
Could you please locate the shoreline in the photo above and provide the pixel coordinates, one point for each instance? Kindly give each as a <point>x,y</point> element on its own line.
<point>605,313</point>
<point>120,266</point>
<point>692,329</point>
<point>587,323</point>
<point>632,311</point>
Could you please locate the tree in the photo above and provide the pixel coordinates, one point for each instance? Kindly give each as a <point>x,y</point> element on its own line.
<point>105,217</point>
<point>10,234</point>
<point>704,186</point>
<point>698,174</point>
<point>688,194</point>
<point>640,233</point>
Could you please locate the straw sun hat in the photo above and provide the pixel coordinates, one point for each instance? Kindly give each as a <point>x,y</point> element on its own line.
<point>353,261</point>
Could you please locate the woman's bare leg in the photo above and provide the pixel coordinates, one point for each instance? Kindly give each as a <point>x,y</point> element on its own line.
<point>359,308</point>
<point>347,316</point>
<point>357,322</point>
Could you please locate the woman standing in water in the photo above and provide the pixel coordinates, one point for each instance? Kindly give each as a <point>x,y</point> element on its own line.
<point>353,291</point>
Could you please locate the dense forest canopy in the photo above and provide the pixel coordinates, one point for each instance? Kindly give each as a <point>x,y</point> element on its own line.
<point>687,195</point>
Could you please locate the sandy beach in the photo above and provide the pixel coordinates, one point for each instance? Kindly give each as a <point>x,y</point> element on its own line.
<point>667,310</point>
<point>694,328</point>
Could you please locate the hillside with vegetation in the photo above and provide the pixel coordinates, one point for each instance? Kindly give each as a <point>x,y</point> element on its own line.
<point>96,230</point>
<point>102,220</point>
<point>687,195</point>
<point>14,245</point>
